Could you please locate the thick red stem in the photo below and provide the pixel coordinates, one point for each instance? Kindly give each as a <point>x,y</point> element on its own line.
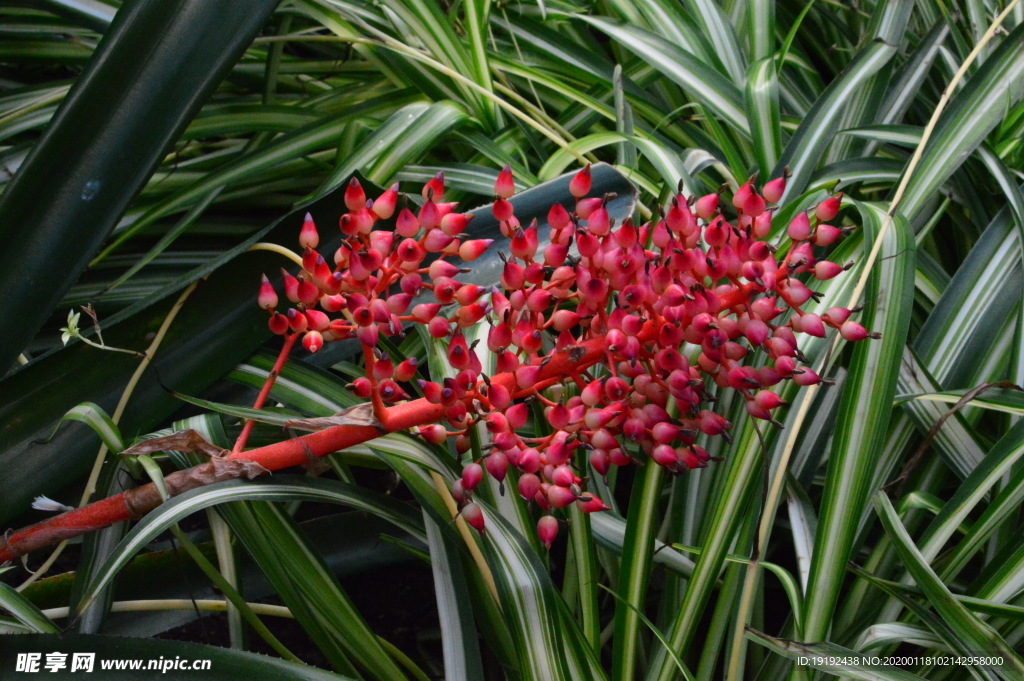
<point>295,452</point>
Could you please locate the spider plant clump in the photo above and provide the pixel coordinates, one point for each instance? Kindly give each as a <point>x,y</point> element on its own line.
<point>627,324</point>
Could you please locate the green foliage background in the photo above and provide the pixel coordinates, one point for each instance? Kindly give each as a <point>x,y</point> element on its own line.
<point>146,147</point>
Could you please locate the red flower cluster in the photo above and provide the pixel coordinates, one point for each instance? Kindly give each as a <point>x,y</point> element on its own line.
<point>651,294</point>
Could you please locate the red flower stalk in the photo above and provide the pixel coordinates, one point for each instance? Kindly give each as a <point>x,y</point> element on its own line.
<point>626,297</point>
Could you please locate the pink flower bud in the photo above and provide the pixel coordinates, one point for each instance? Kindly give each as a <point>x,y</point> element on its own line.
<point>529,485</point>
<point>312,341</point>
<point>278,324</point>
<point>507,361</point>
<point>555,254</point>
<point>504,186</point>
<point>800,228</point>
<point>267,298</point>
<point>355,197</point>
<point>473,249</point>
<point>600,461</point>
<point>472,475</point>
<point>852,331</point>
<point>368,335</point>
<point>753,206</point>
<point>579,186</point>
<point>297,321</point>
<point>766,399</point>
<point>424,312</point>
<point>559,497</point>
<point>762,226</point>
<point>411,284</point>
<point>806,376</point>
<point>706,206</point>
<point>774,190</point>
<point>497,465</point>
<point>407,225</point>
<point>527,376</point>
<point>558,416</point>
<point>436,241</point>
<point>458,493</point>
<point>825,270</point>
<point>828,208</point>
<point>586,207</point>
<point>458,352</point>
<point>516,415</point>
<point>825,235</point>
<point>592,505</point>
<point>473,515</point>
<point>384,206</point>
<point>308,236</point>
<point>563,320</point>
<point>558,217</point>
<point>563,476</point>
<point>317,320</point>
<point>431,391</point>
<point>409,250</point>
<point>529,460</point>
<point>502,210</point>
<point>454,224</point>
<point>406,370</point>
<point>598,222</point>
<point>434,189</point>
<point>836,316</point>
<point>547,530</point>
<point>664,455</point>
<point>810,324</point>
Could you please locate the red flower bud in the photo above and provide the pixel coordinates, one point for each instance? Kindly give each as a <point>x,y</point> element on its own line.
<point>497,465</point>
<point>312,341</point>
<point>529,485</point>
<point>384,206</point>
<point>502,210</point>
<point>278,324</point>
<point>706,206</point>
<point>454,224</point>
<point>308,236</point>
<point>516,415</point>
<point>355,197</point>
<point>407,225</point>
<point>766,399</point>
<point>852,331</point>
<point>317,320</point>
<point>558,217</point>
<point>473,515</point>
<point>472,475</point>
<point>800,228</point>
<point>473,249</point>
<point>547,530</point>
<point>434,189</point>
<point>825,235</point>
<point>579,185</point>
<point>504,186</point>
<point>774,190</point>
<point>559,497</point>
<point>826,270</point>
<point>828,208</point>
<point>267,298</point>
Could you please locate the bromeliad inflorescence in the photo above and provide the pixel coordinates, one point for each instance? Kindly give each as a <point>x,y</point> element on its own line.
<point>633,320</point>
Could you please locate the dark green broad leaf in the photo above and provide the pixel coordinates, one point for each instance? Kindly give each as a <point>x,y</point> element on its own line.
<point>218,327</point>
<point>156,65</point>
<point>170,659</point>
<point>534,203</point>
